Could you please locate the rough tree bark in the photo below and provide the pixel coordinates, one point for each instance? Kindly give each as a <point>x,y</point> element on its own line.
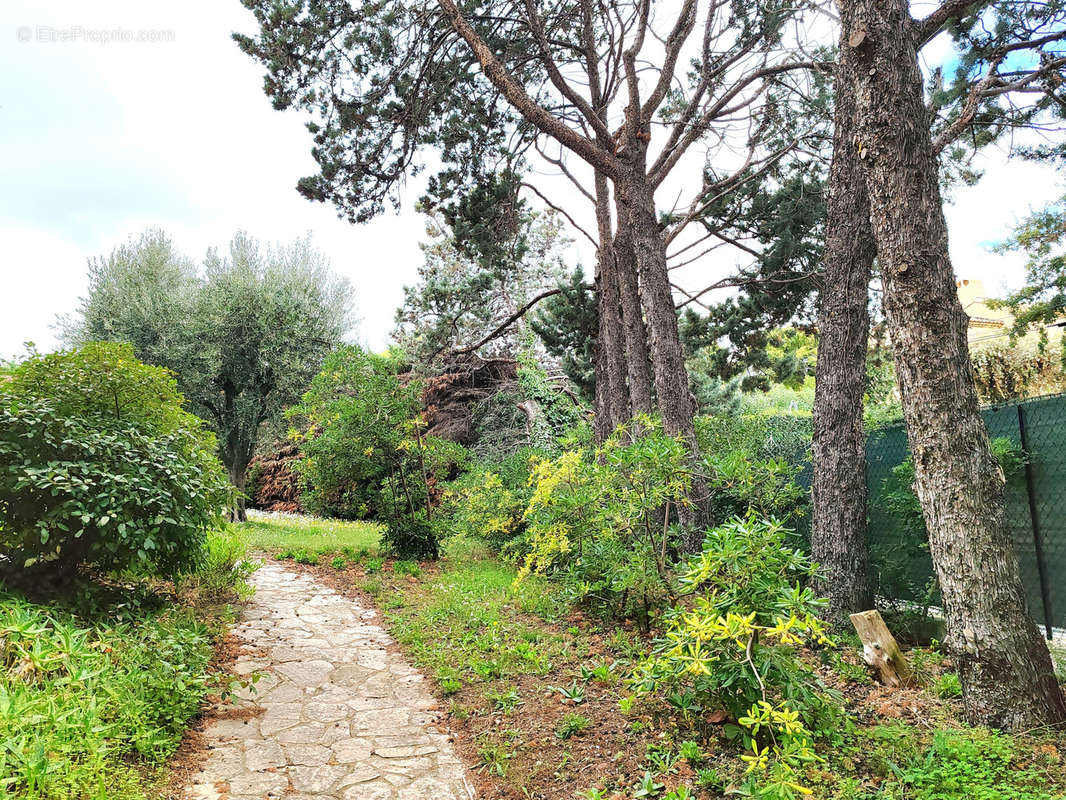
<point>636,335</point>
<point>238,476</point>
<point>612,403</point>
<point>1003,662</point>
<point>668,363</point>
<point>838,532</point>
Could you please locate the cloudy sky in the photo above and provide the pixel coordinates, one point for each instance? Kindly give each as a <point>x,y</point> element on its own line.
<point>100,139</point>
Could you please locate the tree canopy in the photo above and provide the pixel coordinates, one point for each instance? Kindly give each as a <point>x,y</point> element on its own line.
<point>244,336</point>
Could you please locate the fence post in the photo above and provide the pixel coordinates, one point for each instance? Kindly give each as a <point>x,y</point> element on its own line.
<point>1034,516</point>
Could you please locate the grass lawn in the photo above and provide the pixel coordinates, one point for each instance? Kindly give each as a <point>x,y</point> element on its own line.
<point>98,685</point>
<point>538,699</point>
<point>313,536</point>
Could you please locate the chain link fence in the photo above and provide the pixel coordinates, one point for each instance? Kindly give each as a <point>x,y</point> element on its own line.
<point>1030,438</point>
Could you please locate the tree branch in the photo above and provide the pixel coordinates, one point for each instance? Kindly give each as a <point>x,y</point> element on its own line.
<point>507,323</point>
<point>516,95</point>
<point>931,25</point>
<point>553,206</point>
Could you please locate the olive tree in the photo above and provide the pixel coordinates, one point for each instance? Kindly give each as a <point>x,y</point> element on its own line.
<point>244,335</point>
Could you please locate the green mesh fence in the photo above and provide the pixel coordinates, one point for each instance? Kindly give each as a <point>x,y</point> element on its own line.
<point>1035,498</point>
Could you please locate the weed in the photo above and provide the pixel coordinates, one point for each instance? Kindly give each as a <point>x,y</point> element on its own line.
<point>339,562</point>
<point>494,758</point>
<point>450,685</point>
<point>691,752</point>
<point>406,568</point>
<point>458,710</point>
<point>572,724</point>
<point>710,779</point>
<point>300,556</point>
<point>488,669</point>
<point>948,685</point>
<point>647,787</point>
<point>661,758</point>
<point>574,693</point>
<point>604,675</point>
<point>374,565</point>
<point>847,670</point>
<point>504,701</point>
<point>922,664</point>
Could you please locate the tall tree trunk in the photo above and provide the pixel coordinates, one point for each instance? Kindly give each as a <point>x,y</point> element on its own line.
<point>838,531</point>
<point>636,335</point>
<point>675,402</point>
<point>612,404</point>
<point>668,363</point>
<point>1003,663</point>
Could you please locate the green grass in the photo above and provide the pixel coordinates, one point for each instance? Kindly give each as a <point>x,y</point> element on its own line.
<point>461,622</point>
<point>312,536</point>
<point>96,689</point>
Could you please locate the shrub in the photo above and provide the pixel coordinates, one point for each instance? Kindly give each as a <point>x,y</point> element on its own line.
<point>740,485</point>
<point>731,645</point>
<point>753,462</point>
<point>365,451</point>
<point>100,465</point>
<point>488,502</point>
<point>602,520</point>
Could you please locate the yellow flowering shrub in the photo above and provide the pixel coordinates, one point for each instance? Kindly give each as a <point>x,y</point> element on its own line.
<point>604,521</point>
<point>731,644</point>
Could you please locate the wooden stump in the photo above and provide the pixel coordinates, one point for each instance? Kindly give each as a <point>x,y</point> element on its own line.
<point>880,650</point>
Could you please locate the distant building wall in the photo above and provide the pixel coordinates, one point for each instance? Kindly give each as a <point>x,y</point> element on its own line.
<point>988,325</point>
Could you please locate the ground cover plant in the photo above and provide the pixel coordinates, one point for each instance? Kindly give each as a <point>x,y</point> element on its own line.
<point>98,685</point>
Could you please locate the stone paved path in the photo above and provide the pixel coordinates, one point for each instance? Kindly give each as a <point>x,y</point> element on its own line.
<point>341,716</point>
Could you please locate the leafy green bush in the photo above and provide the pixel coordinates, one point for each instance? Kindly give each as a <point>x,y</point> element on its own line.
<point>365,452</point>
<point>752,463</point>
<point>488,502</point>
<point>100,465</point>
<point>731,644</point>
<point>740,485</point>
